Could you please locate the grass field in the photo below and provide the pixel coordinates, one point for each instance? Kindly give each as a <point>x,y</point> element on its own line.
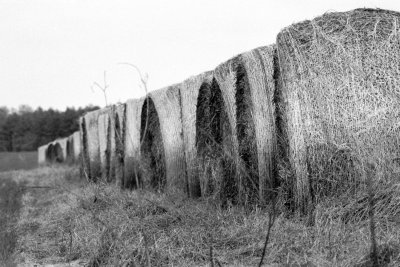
<point>66,220</point>
<point>18,161</point>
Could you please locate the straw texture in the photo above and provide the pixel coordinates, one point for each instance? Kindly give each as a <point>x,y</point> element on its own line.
<point>167,108</point>
<point>189,91</point>
<point>133,111</point>
<point>92,141</point>
<point>117,144</point>
<point>340,93</point>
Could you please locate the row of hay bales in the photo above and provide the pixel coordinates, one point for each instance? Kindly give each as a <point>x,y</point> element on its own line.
<point>61,150</point>
<point>314,114</point>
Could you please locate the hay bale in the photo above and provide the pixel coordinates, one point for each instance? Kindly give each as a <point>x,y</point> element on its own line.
<point>57,151</point>
<point>189,92</point>
<point>118,144</point>
<point>133,111</point>
<point>216,168</point>
<point>85,158</point>
<point>61,149</point>
<point>42,155</point>
<point>50,153</point>
<point>105,133</point>
<point>76,140</point>
<point>247,85</point>
<point>340,94</point>
<point>70,149</point>
<point>90,138</point>
<point>162,155</point>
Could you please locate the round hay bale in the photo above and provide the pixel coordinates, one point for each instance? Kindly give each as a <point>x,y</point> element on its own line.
<point>60,146</point>
<point>85,158</point>
<point>91,141</point>
<point>162,155</point>
<point>50,153</point>
<point>189,93</point>
<point>248,86</point>
<point>133,111</point>
<point>58,155</point>
<point>213,131</point>
<point>42,150</point>
<point>105,134</point>
<point>76,140</point>
<point>70,149</point>
<point>340,94</point>
<point>118,144</point>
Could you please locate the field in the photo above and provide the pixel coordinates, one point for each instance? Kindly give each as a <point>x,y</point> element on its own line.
<point>18,161</point>
<point>61,219</point>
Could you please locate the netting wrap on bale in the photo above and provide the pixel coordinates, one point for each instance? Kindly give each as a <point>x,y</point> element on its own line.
<point>162,155</point>
<point>105,125</point>
<point>90,141</point>
<point>133,109</point>
<point>117,144</point>
<point>247,85</point>
<point>189,93</point>
<point>340,82</point>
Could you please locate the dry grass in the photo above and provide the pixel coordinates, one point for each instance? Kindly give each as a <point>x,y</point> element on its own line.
<point>103,226</point>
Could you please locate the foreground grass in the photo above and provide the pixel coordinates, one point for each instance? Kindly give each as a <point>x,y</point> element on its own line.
<point>64,220</point>
<point>10,204</point>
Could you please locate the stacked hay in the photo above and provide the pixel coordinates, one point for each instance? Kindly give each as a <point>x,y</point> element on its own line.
<point>216,168</point>
<point>247,85</point>
<point>189,92</point>
<point>42,150</point>
<point>133,109</point>
<point>340,100</point>
<point>117,145</point>
<point>90,140</point>
<point>105,126</point>
<point>162,155</point>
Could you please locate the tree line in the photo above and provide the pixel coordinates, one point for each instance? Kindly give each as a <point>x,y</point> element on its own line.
<point>26,129</point>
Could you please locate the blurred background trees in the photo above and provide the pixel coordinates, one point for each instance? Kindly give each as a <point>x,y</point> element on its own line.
<point>26,129</point>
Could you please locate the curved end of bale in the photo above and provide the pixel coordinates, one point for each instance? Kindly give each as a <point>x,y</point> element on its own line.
<point>215,167</point>
<point>153,174</point>
<point>162,149</point>
<point>189,94</point>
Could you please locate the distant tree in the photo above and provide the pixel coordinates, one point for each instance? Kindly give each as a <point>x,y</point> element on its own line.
<point>26,129</point>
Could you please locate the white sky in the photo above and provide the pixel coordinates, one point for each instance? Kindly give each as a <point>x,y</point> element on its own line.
<point>51,51</point>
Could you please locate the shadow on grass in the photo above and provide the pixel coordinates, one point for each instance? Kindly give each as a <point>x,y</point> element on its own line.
<point>10,205</point>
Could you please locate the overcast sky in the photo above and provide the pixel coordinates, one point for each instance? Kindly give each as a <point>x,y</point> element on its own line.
<point>51,51</point>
